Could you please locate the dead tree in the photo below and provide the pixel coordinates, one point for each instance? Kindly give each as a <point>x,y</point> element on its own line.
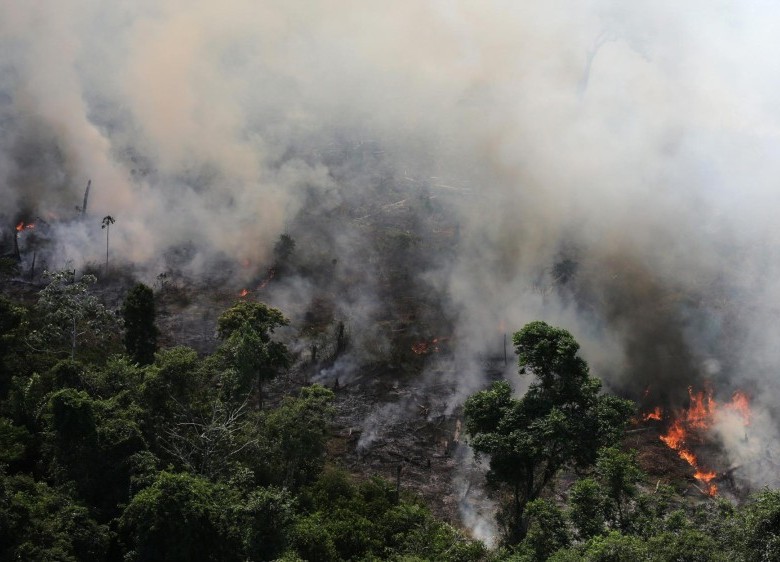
<point>86,200</point>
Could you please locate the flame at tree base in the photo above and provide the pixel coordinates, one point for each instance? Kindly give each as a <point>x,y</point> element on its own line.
<point>676,438</point>
<point>690,424</point>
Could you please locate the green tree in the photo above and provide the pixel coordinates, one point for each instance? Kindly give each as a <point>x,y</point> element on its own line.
<point>586,508</point>
<point>174,390</point>
<point>687,545</point>
<point>246,329</point>
<point>757,532</point>
<point>619,474</point>
<point>68,313</point>
<point>182,518</point>
<point>13,441</point>
<point>547,530</point>
<point>38,522</point>
<point>11,320</point>
<point>270,516</point>
<point>616,547</point>
<point>140,329</point>
<point>562,420</point>
<point>294,436</point>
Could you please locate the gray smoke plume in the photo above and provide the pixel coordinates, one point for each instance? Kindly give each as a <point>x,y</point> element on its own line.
<point>607,167</point>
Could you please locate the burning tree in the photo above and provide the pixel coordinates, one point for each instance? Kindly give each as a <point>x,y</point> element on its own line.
<point>562,420</point>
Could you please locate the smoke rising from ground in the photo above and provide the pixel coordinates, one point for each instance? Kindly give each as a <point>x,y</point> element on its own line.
<point>611,168</point>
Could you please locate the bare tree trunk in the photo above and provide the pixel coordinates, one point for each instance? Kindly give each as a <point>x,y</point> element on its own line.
<point>108,229</point>
<point>86,200</point>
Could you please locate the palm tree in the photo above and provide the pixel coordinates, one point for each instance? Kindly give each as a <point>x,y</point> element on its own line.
<point>108,220</point>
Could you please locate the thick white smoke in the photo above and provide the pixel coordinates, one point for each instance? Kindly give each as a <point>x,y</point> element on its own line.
<point>615,164</point>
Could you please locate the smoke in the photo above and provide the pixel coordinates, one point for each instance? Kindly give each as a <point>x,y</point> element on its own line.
<point>608,168</point>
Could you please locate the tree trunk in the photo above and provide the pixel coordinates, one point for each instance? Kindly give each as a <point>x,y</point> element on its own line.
<point>108,229</point>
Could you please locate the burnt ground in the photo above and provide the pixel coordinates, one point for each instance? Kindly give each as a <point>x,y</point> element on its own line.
<point>663,466</point>
<point>394,423</point>
<point>396,416</point>
<point>393,405</point>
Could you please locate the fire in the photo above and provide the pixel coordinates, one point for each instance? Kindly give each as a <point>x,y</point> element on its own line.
<point>741,405</point>
<point>702,409</point>
<point>22,226</point>
<point>656,414</point>
<point>267,280</point>
<point>243,293</point>
<point>688,424</point>
<point>675,436</point>
<point>423,347</point>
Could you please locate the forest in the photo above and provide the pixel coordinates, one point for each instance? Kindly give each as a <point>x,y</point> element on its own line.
<point>444,280</point>
<point>118,447</point>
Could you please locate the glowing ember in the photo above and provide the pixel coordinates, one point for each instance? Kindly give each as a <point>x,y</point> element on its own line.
<point>423,347</point>
<point>697,418</point>
<point>267,280</point>
<point>656,414</point>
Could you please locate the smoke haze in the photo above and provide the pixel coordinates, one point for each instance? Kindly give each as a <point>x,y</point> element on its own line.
<point>609,168</point>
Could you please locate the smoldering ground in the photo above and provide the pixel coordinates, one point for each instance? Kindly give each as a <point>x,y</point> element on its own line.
<point>608,168</point>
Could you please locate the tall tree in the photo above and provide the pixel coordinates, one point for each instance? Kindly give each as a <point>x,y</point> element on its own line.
<point>108,220</point>
<point>68,312</point>
<point>182,517</point>
<point>140,330</point>
<point>246,329</point>
<point>561,421</point>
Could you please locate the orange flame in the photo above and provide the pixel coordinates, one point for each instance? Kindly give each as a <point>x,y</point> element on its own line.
<point>656,414</point>
<point>20,226</point>
<point>423,347</point>
<point>698,417</point>
<point>243,293</point>
<point>740,403</point>
<point>675,436</point>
